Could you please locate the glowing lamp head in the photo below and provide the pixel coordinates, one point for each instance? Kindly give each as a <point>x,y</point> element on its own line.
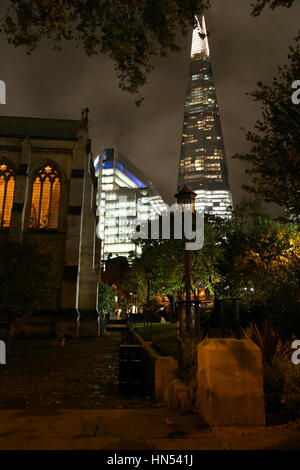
<point>186,199</point>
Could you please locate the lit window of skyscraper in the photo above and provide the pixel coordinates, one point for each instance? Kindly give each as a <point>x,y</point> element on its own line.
<point>203,166</point>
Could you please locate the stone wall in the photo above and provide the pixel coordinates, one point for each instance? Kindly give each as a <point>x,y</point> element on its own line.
<point>228,389</point>
<point>71,246</point>
<point>160,376</point>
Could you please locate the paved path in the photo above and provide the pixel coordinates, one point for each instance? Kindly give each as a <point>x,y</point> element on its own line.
<point>141,429</point>
<point>67,398</point>
<point>81,375</point>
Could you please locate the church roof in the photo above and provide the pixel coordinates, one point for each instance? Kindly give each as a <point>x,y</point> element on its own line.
<point>38,128</point>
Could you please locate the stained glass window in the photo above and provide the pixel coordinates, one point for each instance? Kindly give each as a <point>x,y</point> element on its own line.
<point>45,199</point>
<point>7,187</point>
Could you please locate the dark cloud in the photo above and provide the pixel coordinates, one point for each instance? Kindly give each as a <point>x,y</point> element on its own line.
<point>244,50</point>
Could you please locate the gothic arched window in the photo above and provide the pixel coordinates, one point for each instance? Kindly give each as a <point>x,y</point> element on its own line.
<point>7,187</point>
<point>45,199</point>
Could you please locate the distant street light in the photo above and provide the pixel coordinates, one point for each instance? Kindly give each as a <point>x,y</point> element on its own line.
<point>186,199</point>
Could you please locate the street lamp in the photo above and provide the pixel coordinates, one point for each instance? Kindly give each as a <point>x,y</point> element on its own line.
<point>186,199</point>
<point>148,276</point>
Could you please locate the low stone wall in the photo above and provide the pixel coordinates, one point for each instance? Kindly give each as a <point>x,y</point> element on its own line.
<point>38,326</point>
<point>161,380</point>
<point>55,324</point>
<point>228,389</point>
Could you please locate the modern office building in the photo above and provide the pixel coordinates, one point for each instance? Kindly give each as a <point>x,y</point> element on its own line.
<point>203,167</point>
<point>125,198</point>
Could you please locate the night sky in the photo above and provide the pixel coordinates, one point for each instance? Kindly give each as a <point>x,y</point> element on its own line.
<point>244,50</point>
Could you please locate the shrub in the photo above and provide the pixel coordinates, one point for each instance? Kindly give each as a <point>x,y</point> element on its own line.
<point>266,338</point>
<point>106,298</point>
<point>273,375</point>
<point>281,376</point>
<point>291,388</point>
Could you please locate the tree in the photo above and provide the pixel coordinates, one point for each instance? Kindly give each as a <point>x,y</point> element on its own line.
<point>165,258</point>
<point>275,152</point>
<point>106,304</point>
<point>248,210</point>
<point>106,298</point>
<point>25,282</point>
<point>250,257</point>
<point>260,264</point>
<point>259,5</point>
<point>132,32</point>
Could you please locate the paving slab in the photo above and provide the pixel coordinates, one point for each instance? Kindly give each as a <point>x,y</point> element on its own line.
<point>138,429</point>
<point>285,437</point>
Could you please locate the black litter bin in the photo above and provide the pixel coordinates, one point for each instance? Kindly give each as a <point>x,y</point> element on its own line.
<point>130,369</point>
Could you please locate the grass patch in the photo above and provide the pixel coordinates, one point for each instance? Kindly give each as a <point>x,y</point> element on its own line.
<point>163,337</point>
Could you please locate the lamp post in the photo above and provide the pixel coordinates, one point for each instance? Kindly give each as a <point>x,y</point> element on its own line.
<point>135,301</point>
<point>148,276</point>
<point>186,199</point>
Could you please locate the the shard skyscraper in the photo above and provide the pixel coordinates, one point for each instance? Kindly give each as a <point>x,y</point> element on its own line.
<point>203,167</point>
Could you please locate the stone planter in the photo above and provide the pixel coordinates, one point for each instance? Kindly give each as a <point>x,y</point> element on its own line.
<point>230,383</point>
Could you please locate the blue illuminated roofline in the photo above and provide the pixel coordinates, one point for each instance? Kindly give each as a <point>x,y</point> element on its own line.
<point>108,164</point>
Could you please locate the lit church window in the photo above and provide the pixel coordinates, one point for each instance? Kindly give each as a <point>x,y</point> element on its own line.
<point>45,199</point>
<point>7,187</point>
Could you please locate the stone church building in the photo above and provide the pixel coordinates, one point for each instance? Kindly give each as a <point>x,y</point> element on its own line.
<point>48,198</point>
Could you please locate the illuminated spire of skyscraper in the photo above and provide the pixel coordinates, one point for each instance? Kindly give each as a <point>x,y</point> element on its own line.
<point>203,166</point>
<point>200,41</point>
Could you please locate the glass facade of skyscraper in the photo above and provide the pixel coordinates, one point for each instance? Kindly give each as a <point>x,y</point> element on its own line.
<point>203,165</point>
<point>125,198</point>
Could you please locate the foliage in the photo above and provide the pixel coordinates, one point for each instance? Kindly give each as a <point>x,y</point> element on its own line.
<point>131,32</point>
<point>282,380</point>
<point>275,154</point>
<point>106,298</point>
<point>260,260</point>
<point>124,303</point>
<point>259,5</point>
<point>24,279</point>
<point>253,258</point>
<point>248,210</point>
<point>273,381</point>
<point>165,258</point>
<point>153,310</point>
<point>266,339</point>
<point>281,376</point>
<point>291,387</point>
<point>261,265</point>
